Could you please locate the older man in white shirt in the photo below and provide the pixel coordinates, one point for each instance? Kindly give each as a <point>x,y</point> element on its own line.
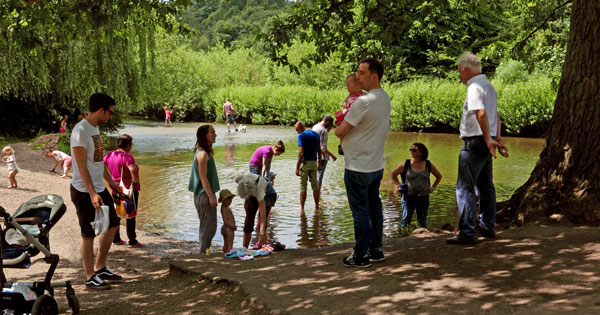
<point>480,131</point>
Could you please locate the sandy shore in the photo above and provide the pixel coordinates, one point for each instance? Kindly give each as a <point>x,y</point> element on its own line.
<point>527,270</point>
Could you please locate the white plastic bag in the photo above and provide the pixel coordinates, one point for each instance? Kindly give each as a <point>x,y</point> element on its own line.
<point>15,237</point>
<point>100,223</point>
<point>22,288</point>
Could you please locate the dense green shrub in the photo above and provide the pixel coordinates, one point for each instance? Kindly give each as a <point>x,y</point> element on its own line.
<point>417,105</point>
<point>526,105</point>
<point>277,104</point>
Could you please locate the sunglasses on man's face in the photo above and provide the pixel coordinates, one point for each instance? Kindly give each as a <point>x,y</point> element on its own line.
<point>413,150</point>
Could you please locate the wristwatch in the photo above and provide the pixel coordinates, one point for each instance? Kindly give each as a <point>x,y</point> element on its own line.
<point>261,234</point>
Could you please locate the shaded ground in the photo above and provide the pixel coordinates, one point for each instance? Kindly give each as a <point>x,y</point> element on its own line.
<point>531,270</point>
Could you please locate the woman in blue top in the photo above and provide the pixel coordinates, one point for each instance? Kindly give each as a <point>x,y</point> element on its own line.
<point>415,173</point>
<point>204,183</point>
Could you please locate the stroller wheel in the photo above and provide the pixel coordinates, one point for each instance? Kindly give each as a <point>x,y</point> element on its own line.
<point>44,305</point>
<point>73,303</point>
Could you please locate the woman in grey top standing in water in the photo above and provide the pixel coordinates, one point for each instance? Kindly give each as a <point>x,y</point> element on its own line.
<point>415,174</point>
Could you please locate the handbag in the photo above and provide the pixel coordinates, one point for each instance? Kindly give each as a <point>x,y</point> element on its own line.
<point>126,209</point>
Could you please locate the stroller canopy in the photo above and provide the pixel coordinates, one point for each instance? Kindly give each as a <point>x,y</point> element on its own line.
<point>49,208</point>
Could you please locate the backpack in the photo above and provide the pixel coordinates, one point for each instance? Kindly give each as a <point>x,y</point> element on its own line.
<point>407,166</point>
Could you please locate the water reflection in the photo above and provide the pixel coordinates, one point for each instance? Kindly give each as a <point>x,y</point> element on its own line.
<point>166,207</point>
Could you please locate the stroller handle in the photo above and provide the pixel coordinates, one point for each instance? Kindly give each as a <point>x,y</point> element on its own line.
<point>4,214</point>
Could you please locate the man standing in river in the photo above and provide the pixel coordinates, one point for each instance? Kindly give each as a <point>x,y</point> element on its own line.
<point>364,131</point>
<point>480,131</point>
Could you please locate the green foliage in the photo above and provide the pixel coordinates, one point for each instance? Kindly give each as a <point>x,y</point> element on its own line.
<point>511,71</point>
<point>412,38</point>
<point>526,107</point>
<point>276,104</point>
<point>54,54</point>
<point>426,105</point>
<point>232,23</point>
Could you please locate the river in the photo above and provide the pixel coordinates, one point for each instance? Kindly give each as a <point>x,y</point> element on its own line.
<point>167,208</point>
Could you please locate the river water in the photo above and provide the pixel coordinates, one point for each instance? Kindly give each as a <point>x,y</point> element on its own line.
<point>167,208</point>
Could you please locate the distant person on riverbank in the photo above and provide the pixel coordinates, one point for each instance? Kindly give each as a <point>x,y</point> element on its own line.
<point>204,183</point>
<point>228,228</point>
<point>10,161</point>
<point>260,162</point>
<point>121,165</point>
<point>323,129</point>
<point>480,130</point>
<point>61,158</point>
<point>415,174</point>
<point>354,91</point>
<point>63,124</point>
<point>88,192</point>
<point>309,162</point>
<point>168,117</point>
<point>364,131</point>
<point>228,113</point>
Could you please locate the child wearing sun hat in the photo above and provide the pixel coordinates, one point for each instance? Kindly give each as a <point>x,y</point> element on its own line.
<point>228,228</point>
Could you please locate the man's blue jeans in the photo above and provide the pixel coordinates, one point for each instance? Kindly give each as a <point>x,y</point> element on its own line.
<point>409,204</point>
<point>363,196</point>
<point>475,170</point>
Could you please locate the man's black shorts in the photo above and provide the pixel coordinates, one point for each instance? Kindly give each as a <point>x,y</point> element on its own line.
<point>87,213</point>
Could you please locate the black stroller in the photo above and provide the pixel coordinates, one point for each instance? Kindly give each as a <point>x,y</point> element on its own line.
<point>24,235</point>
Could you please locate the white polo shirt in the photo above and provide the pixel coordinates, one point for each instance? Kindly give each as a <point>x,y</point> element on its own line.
<point>480,95</point>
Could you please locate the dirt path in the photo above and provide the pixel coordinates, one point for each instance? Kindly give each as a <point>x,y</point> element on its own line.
<point>531,270</point>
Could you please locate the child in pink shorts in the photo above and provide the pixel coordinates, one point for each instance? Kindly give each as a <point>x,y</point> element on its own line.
<point>60,157</point>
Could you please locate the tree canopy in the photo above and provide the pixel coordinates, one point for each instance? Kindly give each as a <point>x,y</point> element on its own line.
<point>417,37</point>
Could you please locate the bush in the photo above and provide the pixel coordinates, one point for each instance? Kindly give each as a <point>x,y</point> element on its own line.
<point>282,105</point>
<point>511,71</point>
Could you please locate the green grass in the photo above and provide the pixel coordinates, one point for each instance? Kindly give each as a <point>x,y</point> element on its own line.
<point>6,140</point>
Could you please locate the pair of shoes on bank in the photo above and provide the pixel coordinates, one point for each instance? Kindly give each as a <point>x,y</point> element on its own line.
<point>98,280</point>
<point>372,255</point>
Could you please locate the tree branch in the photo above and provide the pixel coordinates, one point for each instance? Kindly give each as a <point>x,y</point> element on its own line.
<point>520,44</point>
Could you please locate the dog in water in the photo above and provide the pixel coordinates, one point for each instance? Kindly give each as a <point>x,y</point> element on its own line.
<point>242,128</point>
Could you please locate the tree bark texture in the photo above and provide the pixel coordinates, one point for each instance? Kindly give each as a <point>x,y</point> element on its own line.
<point>566,179</point>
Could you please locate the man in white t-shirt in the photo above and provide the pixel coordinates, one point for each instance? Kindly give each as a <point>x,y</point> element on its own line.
<point>88,192</point>
<point>364,131</point>
<point>480,130</point>
<point>323,129</point>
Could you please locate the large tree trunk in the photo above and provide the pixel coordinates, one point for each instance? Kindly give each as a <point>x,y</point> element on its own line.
<point>566,180</point>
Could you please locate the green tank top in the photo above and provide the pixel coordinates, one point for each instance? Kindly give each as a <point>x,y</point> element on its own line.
<point>195,185</point>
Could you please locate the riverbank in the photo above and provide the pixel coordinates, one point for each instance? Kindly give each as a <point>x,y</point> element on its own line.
<point>534,269</point>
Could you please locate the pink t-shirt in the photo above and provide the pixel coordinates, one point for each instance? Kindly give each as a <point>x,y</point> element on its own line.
<point>167,114</point>
<point>260,153</point>
<point>340,115</point>
<point>115,161</point>
<point>228,108</point>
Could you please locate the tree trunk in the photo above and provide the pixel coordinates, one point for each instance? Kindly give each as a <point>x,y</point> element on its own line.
<point>565,180</point>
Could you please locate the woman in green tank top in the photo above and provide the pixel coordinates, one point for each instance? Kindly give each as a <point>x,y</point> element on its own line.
<point>204,183</point>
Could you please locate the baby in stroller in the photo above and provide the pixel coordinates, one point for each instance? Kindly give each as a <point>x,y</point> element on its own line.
<point>24,235</point>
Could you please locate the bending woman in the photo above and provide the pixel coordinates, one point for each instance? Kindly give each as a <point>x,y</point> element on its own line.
<point>204,183</point>
<point>260,162</point>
